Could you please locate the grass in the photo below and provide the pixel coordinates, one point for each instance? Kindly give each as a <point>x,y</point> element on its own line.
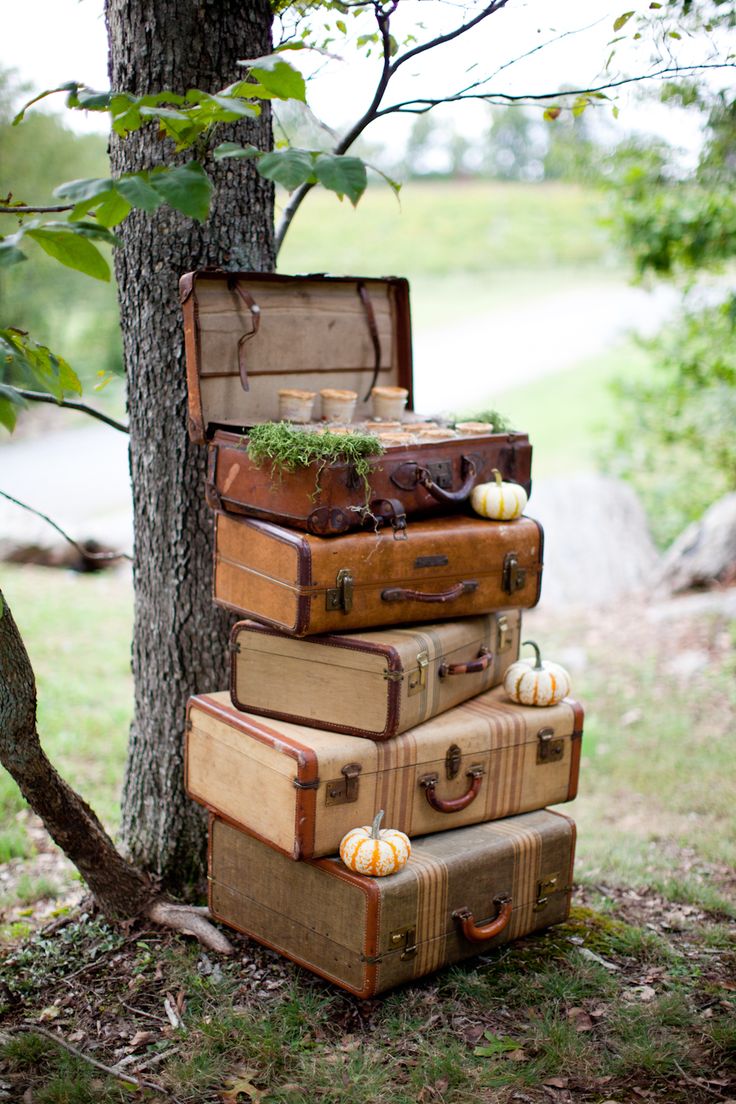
<point>533,1017</point>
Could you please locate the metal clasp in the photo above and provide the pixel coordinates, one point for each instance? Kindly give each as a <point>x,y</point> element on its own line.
<point>549,748</point>
<point>343,791</point>
<point>453,760</point>
<point>514,577</point>
<point>505,636</point>
<point>544,887</point>
<point>418,679</point>
<point>406,938</point>
<point>340,597</point>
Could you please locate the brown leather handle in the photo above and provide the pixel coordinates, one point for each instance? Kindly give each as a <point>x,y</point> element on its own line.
<point>482,663</point>
<point>428,782</point>
<point>401,594</point>
<point>440,493</point>
<point>480,933</point>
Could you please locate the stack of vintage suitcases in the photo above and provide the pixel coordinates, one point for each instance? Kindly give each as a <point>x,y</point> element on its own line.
<point>367,676</point>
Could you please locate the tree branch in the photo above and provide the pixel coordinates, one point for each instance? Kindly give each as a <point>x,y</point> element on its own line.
<point>420,105</point>
<point>5,210</point>
<point>72,404</point>
<point>79,547</point>
<point>442,39</point>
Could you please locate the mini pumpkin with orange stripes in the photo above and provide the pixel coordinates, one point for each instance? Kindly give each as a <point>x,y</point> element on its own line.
<point>373,850</point>
<point>538,683</point>
<point>498,501</point>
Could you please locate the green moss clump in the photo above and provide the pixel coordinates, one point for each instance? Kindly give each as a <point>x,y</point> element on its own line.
<point>500,422</point>
<point>288,448</point>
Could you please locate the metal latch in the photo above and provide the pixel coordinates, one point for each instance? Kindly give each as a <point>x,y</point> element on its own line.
<point>452,761</point>
<point>440,472</point>
<point>340,597</point>
<point>418,679</point>
<point>343,791</point>
<point>550,749</point>
<point>514,577</point>
<point>505,636</point>
<point>544,888</point>
<point>406,938</point>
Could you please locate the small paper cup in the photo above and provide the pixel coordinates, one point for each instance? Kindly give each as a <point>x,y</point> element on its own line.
<point>338,405</point>
<point>389,402</point>
<point>296,405</point>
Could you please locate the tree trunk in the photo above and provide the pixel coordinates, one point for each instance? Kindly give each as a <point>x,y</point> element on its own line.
<point>180,639</point>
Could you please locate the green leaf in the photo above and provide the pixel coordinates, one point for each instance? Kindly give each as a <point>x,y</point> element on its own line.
<point>78,191</point>
<point>622,20</point>
<point>138,192</point>
<point>71,249</point>
<point>10,254</point>
<point>341,26</point>
<point>87,100</point>
<point>113,209</point>
<point>341,174</point>
<point>186,188</point>
<point>8,418</point>
<point>279,79</point>
<point>615,111</point>
<point>289,167</point>
<point>70,86</point>
<point>233,149</point>
<point>552,113</point>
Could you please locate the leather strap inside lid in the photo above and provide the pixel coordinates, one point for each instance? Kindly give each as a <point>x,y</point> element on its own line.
<point>255,313</point>
<point>373,331</point>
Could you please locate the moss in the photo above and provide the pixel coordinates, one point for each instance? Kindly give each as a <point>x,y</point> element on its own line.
<point>288,448</point>
<point>500,423</point>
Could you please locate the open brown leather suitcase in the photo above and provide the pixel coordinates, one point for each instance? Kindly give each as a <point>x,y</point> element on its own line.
<point>301,789</point>
<point>248,334</point>
<point>444,567</point>
<point>376,683</point>
<point>462,893</point>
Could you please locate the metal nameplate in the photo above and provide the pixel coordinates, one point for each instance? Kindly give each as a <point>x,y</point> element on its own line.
<point>431,561</point>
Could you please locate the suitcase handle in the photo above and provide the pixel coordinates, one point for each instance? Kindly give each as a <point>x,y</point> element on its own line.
<point>479,933</point>
<point>482,663</point>
<point>461,495</point>
<point>401,594</point>
<point>428,782</point>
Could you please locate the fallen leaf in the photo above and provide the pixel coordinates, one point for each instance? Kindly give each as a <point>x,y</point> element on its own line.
<point>442,1085</point>
<point>142,1038</point>
<point>593,957</point>
<point>238,1087</point>
<point>473,1033</point>
<point>515,1056</point>
<point>50,1013</point>
<point>580,1019</point>
<point>557,1082</point>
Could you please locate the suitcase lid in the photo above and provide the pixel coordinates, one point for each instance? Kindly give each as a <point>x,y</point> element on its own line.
<point>315,756</point>
<point>248,334</point>
<point>407,649</point>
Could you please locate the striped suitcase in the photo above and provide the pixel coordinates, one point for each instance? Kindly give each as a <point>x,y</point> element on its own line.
<point>461,893</point>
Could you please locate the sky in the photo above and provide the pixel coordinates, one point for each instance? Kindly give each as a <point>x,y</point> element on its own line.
<point>69,43</point>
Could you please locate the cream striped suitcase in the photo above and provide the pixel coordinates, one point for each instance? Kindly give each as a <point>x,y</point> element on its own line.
<point>301,789</point>
<point>461,893</point>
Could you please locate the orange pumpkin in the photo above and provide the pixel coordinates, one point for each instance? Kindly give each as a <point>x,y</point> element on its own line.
<point>375,851</point>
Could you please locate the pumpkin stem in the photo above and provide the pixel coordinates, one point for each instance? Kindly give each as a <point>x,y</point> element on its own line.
<point>538,666</point>
<point>497,476</point>
<point>376,824</point>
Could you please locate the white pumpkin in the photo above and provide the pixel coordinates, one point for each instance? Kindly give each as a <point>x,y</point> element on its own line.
<point>536,682</point>
<point>499,501</point>
<point>370,850</point>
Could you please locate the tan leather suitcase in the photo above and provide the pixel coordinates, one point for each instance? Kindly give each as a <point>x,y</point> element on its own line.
<point>376,683</point>
<point>445,567</point>
<point>462,893</point>
<point>301,789</point>
<point>249,334</point>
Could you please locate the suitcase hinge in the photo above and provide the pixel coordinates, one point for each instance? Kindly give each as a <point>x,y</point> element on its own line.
<point>343,791</point>
<point>340,597</point>
<point>514,577</point>
<point>393,676</point>
<point>234,647</point>
<point>549,748</point>
<point>418,678</point>
<point>406,938</point>
<point>544,887</point>
<point>505,636</point>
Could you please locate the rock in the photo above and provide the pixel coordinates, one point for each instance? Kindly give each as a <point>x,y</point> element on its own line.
<point>705,553</point>
<point>597,546</point>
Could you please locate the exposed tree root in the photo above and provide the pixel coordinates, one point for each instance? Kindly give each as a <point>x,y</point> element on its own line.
<point>190,920</point>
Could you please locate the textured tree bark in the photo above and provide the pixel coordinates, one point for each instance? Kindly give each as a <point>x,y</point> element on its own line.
<point>180,639</point>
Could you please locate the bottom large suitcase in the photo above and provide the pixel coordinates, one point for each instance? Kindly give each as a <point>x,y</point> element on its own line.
<point>461,893</point>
